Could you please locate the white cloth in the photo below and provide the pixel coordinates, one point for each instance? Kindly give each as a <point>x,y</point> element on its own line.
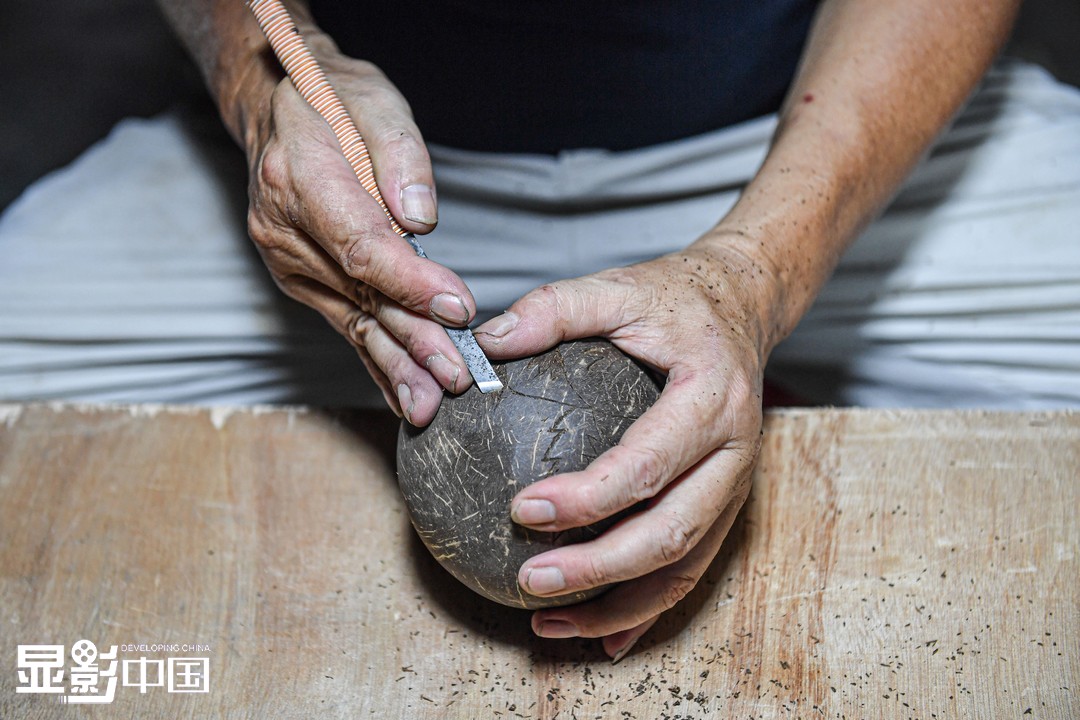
<point>128,275</point>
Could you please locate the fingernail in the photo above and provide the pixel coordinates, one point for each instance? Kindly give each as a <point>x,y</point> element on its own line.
<point>533,512</point>
<point>622,653</point>
<point>404,396</point>
<point>418,204</point>
<point>557,629</point>
<point>544,580</point>
<point>445,372</point>
<point>499,326</point>
<point>449,307</point>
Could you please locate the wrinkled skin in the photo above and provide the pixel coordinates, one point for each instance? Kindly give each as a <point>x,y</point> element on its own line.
<point>327,243</point>
<point>691,454</point>
<point>877,82</point>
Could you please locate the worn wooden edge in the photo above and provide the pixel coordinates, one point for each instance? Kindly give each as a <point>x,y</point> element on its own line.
<point>219,414</point>
<point>771,657</point>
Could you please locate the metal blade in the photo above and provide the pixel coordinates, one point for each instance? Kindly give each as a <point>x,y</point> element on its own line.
<point>482,372</point>
<point>475,359</point>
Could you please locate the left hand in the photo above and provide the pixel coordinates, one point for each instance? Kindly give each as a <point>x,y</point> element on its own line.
<point>696,316</point>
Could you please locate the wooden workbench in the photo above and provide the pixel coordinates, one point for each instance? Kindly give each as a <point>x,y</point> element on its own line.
<point>888,564</point>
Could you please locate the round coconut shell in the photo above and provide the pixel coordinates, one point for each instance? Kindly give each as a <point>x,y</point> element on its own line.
<point>556,413</point>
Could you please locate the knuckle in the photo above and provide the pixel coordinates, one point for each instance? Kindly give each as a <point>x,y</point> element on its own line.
<point>273,168</point>
<point>595,572</point>
<point>257,226</point>
<point>422,342</point>
<point>647,465</point>
<point>359,328</point>
<point>382,279</point>
<point>677,536</point>
<point>679,586</point>
<point>548,294</point>
<point>357,256</point>
<point>361,244</point>
<point>366,297</point>
<point>266,235</point>
<point>420,338</point>
<point>551,300</point>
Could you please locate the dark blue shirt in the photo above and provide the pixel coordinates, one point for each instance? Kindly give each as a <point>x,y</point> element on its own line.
<point>546,75</point>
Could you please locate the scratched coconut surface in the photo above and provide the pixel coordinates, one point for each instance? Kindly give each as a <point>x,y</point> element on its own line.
<point>889,564</point>
<point>557,412</point>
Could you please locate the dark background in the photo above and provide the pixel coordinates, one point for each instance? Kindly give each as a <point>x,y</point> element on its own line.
<point>70,69</point>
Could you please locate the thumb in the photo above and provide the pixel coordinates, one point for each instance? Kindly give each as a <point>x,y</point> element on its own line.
<point>398,154</point>
<point>553,313</point>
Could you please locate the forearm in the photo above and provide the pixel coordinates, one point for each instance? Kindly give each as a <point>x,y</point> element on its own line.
<point>878,81</point>
<point>234,57</point>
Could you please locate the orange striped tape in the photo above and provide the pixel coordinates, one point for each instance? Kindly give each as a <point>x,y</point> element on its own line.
<point>311,82</point>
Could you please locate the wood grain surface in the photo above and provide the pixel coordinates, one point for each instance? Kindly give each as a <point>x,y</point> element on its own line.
<point>888,564</point>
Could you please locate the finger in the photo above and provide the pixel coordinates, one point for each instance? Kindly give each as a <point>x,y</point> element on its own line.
<point>297,260</point>
<point>632,604</point>
<point>307,173</point>
<point>655,538</point>
<point>381,380</point>
<point>417,393</point>
<point>400,158</point>
<point>305,289</point>
<point>618,645</point>
<point>556,312</point>
<point>426,342</point>
<point>352,229</point>
<point>690,419</point>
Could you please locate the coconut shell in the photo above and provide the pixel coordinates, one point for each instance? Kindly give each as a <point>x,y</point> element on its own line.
<point>557,412</point>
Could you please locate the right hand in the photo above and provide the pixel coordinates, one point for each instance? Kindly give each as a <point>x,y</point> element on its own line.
<point>328,244</point>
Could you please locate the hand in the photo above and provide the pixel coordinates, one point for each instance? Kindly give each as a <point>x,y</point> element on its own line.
<point>695,316</point>
<point>329,245</point>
